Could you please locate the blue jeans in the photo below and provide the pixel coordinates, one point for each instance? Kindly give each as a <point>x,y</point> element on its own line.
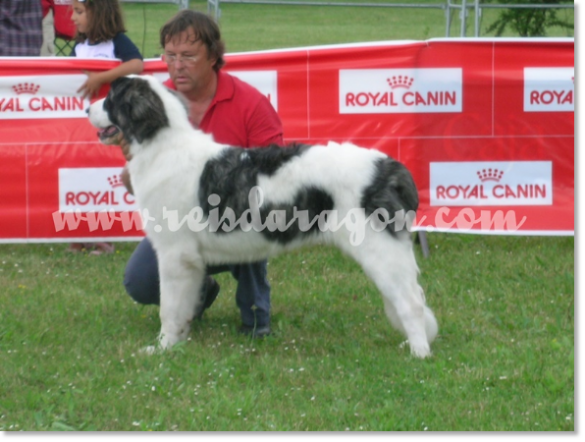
<point>141,281</point>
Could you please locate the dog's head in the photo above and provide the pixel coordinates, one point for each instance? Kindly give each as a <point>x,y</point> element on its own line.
<point>134,106</point>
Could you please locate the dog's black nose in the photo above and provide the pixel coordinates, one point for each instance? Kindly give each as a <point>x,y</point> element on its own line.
<point>87,111</point>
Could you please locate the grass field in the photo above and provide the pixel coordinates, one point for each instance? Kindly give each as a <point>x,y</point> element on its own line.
<point>504,359</point>
<point>69,341</point>
<point>257,27</point>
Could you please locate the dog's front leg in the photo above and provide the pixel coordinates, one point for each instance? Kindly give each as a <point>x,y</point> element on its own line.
<point>180,287</point>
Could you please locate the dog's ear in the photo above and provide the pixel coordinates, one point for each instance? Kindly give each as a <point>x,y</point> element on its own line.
<point>137,110</point>
<point>118,85</point>
<point>119,82</point>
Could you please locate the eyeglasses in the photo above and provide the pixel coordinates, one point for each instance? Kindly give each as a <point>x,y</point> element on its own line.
<point>187,60</point>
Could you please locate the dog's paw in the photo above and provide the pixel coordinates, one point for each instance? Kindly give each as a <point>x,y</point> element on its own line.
<point>150,350</point>
<point>420,351</point>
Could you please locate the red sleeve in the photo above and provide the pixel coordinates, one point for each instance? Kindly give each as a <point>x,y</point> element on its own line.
<point>64,27</point>
<point>46,4</point>
<point>264,125</point>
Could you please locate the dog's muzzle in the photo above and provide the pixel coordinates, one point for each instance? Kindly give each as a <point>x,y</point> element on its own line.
<point>108,132</point>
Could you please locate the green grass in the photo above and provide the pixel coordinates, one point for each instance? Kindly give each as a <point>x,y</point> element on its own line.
<point>504,359</point>
<point>257,27</point>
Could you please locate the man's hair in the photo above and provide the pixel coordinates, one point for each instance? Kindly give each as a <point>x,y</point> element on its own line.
<point>105,21</point>
<point>204,29</point>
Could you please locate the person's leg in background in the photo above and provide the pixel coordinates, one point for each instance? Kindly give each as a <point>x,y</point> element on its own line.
<point>141,278</point>
<point>142,283</point>
<point>48,47</point>
<point>253,298</point>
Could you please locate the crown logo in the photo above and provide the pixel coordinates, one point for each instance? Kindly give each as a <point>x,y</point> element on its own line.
<point>490,175</point>
<point>115,181</point>
<point>403,81</point>
<point>26,88</point>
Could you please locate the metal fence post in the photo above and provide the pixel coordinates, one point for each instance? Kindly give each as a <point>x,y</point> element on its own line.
<point>213,9</point>
<point>448,19</point>
<point>477,16</point>
<point>463,17</point>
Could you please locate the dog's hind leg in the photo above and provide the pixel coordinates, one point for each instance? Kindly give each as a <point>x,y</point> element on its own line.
<point>180,285</point>
<point>391,265</point>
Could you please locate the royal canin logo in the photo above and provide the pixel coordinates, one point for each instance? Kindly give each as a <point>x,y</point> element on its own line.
<point>490,175</point>
<point>549,89</point>
<point>491,184</point>
<point>363,91</point>
<point>48,96</point>
<point>400,82</point>
<point>26,88</point>
<point>115,181</point>
<point>36,104</point>
<point>100,198</point>
<point>93,189</point>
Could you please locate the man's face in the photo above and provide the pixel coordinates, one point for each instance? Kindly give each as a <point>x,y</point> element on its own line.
<point>188,62</point>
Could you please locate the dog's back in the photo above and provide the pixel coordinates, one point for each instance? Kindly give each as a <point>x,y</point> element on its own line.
<point>305,179</point>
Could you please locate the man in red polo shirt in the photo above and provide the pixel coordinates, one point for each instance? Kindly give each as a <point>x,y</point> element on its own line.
<point>236,114</point>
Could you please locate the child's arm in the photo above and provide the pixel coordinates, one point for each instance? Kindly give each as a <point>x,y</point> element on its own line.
<point>95,80</point>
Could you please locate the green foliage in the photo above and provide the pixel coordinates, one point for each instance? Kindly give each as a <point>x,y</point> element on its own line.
<point>530,22</point>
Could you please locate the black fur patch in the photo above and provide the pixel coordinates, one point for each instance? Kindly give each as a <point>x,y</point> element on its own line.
<point>392,188</point>
<point>135,109</point>
<point>312,201</point>
<point>235,172</point>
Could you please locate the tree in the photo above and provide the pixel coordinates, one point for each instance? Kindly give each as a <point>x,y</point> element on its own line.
<point>529,22</point>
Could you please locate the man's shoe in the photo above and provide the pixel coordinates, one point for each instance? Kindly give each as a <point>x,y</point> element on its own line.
<point>209,292</point>
<point>258,332</point>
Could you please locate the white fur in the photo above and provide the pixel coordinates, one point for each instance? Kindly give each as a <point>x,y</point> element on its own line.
<point>165,172</point>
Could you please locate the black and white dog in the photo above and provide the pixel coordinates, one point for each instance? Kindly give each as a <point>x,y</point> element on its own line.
<point>207,203</point>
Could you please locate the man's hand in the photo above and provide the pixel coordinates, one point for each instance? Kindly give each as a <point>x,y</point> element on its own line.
<point>125,175</point>
<point>125,146</point>
<point>119,140</point>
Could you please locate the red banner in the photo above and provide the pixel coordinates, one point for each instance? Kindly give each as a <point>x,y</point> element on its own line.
<point>486,127</point>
